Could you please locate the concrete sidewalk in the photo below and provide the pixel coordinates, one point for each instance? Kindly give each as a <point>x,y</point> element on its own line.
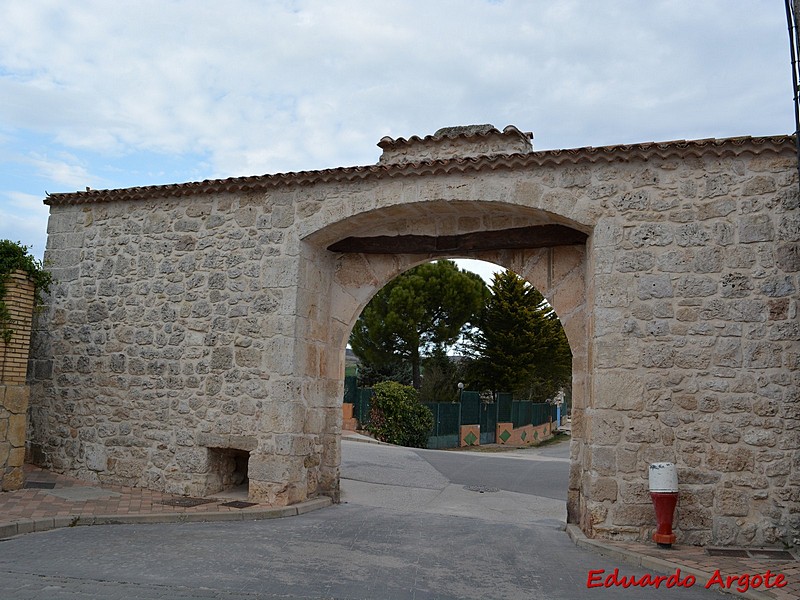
<point>52,501</point>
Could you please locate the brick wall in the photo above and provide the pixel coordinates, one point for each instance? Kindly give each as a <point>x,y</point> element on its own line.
<point>14,355</point>
<point>14,393</point>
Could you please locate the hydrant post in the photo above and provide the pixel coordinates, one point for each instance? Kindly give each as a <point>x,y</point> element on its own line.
<point>664,494</point>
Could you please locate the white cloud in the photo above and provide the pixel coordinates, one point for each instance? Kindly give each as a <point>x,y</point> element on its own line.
<point>250,86</point>
<point>65,171</point>
<point>270,86</point>
<point>23,217</point>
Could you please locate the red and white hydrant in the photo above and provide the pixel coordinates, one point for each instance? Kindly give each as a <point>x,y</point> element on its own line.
<point>664,493</point>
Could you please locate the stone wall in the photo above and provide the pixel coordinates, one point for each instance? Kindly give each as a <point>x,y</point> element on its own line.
<point>696,350</point>
<point>13,422</point>
<point>189,321</point>
<point>14,392</point>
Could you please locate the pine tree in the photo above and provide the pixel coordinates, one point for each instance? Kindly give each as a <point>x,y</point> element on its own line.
<point>424,310</point>
<point>520,345</point>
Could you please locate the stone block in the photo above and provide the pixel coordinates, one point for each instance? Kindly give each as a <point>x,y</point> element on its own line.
<point>635,261</point>
<point>789,228</point>
<point>651,234</point>
<point>221,359</point>
<point>634,515</point>
<point>692,518</point>
<point>659,356</point>
<point>755,228</point>
<point>727,353</point>
<point>654,286</point>
<point>723,460</point>
<point>635,492</point>
<point>15,399</point>
<point>13,479</point>
<point>756,437</point>
<point>622,390</point>
<point>787,257</point>
<point>725,433</point>
<point>605,428</point>
<point>190,460</point>
<point>17,428</point>
<point>732,503</point>
<point>16,457</point>
<point>268,468</point>
<point>604,460</point>
<point>603,488</point>
<point>643,429</point>
<point>613,353</point>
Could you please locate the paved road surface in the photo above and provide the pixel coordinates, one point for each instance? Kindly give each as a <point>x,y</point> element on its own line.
<point>406,532</point>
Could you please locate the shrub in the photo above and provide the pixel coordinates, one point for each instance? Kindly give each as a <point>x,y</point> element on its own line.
<point>14,257</point>
<point>396,415</point>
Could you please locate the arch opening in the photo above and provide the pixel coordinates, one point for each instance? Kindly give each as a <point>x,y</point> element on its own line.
<point>476,424</point>
<point>342,283</point>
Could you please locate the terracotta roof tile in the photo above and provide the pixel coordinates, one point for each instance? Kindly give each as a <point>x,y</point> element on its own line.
<point>623,152</point>
<point>467,132</point>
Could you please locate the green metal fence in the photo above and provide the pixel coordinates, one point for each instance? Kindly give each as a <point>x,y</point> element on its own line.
<point>446,424</point>
<point>504,401</point>
<point>350,389</point>
<point>488,422</point>
<point>471,410</point>
<point>531,413</point>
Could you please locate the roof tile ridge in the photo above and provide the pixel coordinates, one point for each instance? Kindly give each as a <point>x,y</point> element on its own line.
<point>591,154</point>
<point>388,141</point>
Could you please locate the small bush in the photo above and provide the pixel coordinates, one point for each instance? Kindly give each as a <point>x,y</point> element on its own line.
<point>13,257</point>
<point>396,415</point>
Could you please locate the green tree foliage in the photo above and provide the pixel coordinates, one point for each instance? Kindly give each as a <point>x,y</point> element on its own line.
<point>396,415</point>
<point>520,345</point>
<point>440,377</point>
<point>396,370</point>
<point>421,311</point>
<point>16,257</point>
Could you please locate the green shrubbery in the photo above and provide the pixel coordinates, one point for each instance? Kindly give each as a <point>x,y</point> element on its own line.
<point>396,415</point>
<point>16,257</point>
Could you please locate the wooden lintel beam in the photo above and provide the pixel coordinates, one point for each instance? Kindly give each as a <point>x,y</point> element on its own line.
<point>539,236</point>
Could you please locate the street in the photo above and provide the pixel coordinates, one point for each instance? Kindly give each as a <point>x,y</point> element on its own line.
<point>407,529</point>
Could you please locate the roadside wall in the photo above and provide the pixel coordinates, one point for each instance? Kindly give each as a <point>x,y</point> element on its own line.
<point>192,316</point>
<point>14,392</point>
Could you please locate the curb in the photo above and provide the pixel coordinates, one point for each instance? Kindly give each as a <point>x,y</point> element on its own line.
<point>23,526</point>
<point>650,563</point>
<point>362,439</point>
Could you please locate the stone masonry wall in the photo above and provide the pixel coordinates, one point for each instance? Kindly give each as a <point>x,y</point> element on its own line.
<point>171,333</point>
<point>13,421</point>
<point>696,350</point>
<point>184,326</point>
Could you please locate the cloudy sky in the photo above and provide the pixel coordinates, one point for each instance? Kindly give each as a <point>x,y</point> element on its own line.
<point>120,93</point>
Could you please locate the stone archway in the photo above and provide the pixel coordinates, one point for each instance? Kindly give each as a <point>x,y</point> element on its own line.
<point>211,317</point>
<point>558,272</point>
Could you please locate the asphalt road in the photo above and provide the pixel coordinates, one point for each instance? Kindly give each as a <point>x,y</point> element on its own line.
<point>405,531</point>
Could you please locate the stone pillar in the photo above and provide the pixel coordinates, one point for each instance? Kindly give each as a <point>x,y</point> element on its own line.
<point>14,394</point>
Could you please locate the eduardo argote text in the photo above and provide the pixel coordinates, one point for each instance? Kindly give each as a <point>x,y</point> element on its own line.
<point>597,578</point>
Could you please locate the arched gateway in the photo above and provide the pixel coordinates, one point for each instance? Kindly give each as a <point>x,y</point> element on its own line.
<point>194,326</point>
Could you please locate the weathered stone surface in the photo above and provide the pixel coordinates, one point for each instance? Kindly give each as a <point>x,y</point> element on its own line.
<point>184,330</point>
<point>725,433</point>
<point>732,503</point>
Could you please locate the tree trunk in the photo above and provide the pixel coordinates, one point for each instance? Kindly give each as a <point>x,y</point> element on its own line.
<point>416,379</point>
